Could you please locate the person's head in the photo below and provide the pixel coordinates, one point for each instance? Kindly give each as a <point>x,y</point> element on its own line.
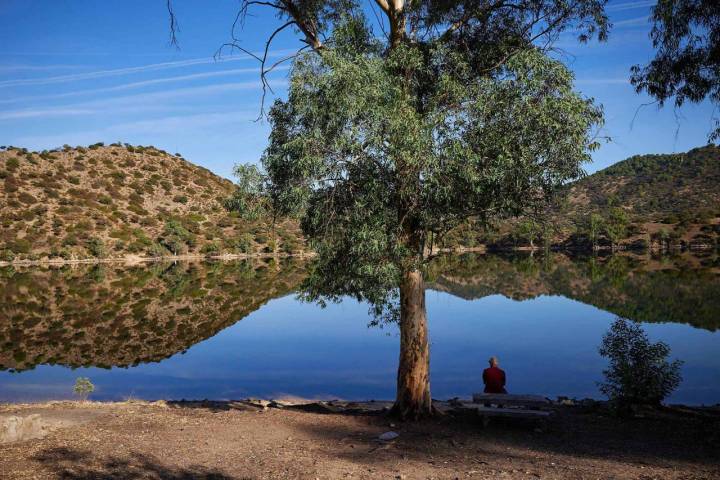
<point>493,361</point>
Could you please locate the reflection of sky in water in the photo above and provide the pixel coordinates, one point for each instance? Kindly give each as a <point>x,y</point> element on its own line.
<point>547,345</point>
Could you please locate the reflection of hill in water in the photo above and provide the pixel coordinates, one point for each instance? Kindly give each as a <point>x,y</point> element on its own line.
<point>107,315</point>
<point>681,289</point>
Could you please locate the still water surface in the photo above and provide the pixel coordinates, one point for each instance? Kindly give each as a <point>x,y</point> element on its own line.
<point>235,329</point>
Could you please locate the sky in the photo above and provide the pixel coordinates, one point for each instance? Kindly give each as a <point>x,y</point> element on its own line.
<point>83,71</point>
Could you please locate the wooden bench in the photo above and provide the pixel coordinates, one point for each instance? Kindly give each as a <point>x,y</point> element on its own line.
<point>535,402</point>
<point>532,407</point>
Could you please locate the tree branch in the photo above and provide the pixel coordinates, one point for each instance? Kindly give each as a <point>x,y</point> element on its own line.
<point>174,26</point>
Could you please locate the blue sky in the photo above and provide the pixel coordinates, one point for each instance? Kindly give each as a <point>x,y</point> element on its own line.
<point>81,71</point>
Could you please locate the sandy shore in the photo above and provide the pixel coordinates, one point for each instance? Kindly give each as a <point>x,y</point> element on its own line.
<point>241,440</point>
<point>136,259</point>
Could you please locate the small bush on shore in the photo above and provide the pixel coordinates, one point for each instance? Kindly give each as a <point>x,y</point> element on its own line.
<point>83,388</point>
<point>639,372</point>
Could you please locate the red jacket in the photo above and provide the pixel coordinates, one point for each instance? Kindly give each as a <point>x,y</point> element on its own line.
<point>494,379</point>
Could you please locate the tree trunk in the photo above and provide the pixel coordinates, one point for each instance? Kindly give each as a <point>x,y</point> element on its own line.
<point>413,399</point>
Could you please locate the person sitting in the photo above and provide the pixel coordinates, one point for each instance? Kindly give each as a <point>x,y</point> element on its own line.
<point>494,378</point>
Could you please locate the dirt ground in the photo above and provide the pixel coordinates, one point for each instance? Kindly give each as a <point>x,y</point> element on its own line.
<point>235,440</point>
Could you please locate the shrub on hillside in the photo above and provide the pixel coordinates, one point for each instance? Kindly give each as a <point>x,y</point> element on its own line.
<point>241,244</point>
<point>639,372</point>
<point>156,250</point>
<point>138,210</point>
<point>70,240</point>
<point>26,198</point>
<point>20,245</point>
<point>290,245</point>
<point>224,222</point>
<point>11,184</point>
<point>96,247</point>
<point>210,247</point>
<point>175,237</point>
<point>12,163</point>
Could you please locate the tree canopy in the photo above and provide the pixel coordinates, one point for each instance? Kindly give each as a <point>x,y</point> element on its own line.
<point>686,67</point>
<point>372,160</point>
<point>455,109</point>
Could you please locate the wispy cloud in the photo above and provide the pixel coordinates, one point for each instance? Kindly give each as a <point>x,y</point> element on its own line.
<point>35,68</point>
<point>128,70</point>
<point>144,83</point>
<point>156,127</point>
<point>48,112</point>
<point>140,102</point>
<point>618,7</point>
<point>175,122</point>
<point>632,21</point>
<point>602,81</point>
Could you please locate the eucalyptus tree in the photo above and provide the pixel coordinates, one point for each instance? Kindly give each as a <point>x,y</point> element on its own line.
<point>686,67</point>
<point>396,130</point>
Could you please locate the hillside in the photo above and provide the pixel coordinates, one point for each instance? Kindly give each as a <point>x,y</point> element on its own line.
<point>121,201</point>
<point>124,201</point>
<point>655,201</point>
<point>659,188</point>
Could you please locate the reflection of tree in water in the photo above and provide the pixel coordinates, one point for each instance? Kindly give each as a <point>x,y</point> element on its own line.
<point>679,289</point>
<point>106,315</point>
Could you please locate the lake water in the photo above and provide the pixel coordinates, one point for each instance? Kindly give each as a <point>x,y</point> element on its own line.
<point>231,330</point>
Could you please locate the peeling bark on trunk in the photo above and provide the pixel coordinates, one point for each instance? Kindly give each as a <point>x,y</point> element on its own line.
<point>413,399</point>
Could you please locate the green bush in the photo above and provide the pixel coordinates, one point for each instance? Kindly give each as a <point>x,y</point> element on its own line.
<point>210,247</point>
<point>180,199</point>
<point>244,243</point>
<point>12,163</point>
<point>638,373</point>
<point>83,388</point>
<point>96,247</point>
<point>11,184</point>
<point>70,240</point>
<point>156,250</point>
<point>176,237</point>
<point>26,198</point>
<point>20,245</point>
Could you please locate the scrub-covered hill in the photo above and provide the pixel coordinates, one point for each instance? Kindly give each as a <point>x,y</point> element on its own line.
<point>661,188</point>
<point>658,201</point>
<point>122,200</point>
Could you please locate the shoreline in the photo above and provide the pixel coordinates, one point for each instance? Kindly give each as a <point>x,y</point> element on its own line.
<point>252,440</point>
<point>136,260</point>
<point>336,404</point>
